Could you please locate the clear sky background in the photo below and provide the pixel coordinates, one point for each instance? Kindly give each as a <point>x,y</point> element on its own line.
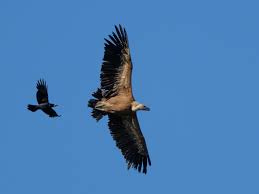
<point>196,65</point>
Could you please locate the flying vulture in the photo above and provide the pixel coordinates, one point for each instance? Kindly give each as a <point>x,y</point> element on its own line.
<point>43,100</point>
<point>115,99</point>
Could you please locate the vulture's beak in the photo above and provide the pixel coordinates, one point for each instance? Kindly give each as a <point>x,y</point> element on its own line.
<point>146,108</point>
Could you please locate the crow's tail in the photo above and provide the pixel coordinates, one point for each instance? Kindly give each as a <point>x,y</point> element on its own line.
<point>32,108</point>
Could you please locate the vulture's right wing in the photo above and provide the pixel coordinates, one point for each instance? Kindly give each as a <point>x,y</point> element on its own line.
<point>129,139</point>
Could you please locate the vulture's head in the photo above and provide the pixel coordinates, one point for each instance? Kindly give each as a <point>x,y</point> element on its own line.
<point>135,106</point>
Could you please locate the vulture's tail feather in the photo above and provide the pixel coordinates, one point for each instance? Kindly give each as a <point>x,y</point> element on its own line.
<point>32,108</point>
<point>97,114</point>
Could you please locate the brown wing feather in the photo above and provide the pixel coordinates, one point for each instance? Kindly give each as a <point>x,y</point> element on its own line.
<point>117,67</point>
<point>129,139</point>
<point>42,93</point>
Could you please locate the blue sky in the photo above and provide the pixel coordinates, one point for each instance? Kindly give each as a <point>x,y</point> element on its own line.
<point>196,66</point>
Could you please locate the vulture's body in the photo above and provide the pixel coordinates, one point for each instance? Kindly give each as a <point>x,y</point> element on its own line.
<point>43,100</point>
<point>115,99</point>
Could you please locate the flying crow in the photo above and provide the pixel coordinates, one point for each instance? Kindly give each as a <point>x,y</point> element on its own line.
<point>43,101</point>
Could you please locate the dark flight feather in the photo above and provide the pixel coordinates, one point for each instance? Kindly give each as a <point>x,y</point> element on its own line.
<point>129,139</point>
<point>116,59</point>
<point>50,111</point>
<point>42,93</point>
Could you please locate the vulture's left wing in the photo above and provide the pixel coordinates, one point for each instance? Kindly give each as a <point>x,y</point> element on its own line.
<point>42,93</point>
<point>129,139</point>
<point>117,67</point>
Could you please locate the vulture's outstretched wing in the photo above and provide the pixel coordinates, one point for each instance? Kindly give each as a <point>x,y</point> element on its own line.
<point>50,111</point>
<point>42,93</point>
<point>129,139</point>
<point>117,67</point>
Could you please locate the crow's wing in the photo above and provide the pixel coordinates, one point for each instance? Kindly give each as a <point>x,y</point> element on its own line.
<point>42,93</point>
<point>50,111</point>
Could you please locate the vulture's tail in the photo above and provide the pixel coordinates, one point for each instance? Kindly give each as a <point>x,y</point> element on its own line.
<point>97,114</point>
<point>32,108</point>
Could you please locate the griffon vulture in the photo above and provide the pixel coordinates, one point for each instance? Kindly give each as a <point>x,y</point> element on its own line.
<point>115,99</point>
<point>43,100</point>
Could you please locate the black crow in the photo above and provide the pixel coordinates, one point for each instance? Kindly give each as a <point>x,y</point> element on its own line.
<point>43,101</point>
